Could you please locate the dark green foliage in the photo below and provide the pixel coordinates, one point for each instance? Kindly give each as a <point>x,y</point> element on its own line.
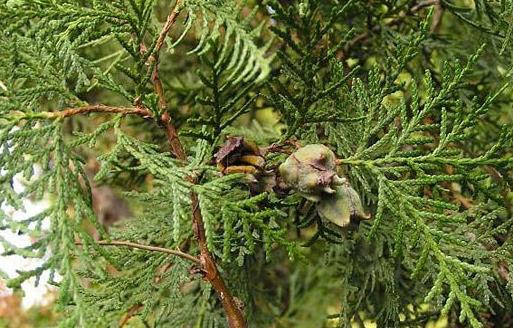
<point>413,97</point>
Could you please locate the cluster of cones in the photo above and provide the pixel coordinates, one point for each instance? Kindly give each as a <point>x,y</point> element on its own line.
<point>311,171</point>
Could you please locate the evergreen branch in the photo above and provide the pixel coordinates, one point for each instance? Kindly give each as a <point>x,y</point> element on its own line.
<point>146,247</point>
<point>234,313</point>
<point>483,160</point>
<point>430,160</point>
<point>335,118</point>
<point>420,319</point>
<point>364,36</point>
<point>238,113</point>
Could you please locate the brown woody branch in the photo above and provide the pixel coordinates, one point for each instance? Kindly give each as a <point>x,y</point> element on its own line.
<point>68,112</point>
<point>100,109</point>
<point>234,314</point>
<point>171,19</point>
<point>172,135</point>
<point>231,305</point>
<point>131,312</point>
<point>147,248</point>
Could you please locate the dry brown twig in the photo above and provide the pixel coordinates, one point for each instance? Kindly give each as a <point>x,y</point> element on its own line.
<point>97,108</point>
<point>129,244</point>
<point>172,135</point>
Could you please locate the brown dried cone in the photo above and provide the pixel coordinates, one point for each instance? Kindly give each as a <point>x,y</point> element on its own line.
<point>311,171</point>
<point>238,155</point>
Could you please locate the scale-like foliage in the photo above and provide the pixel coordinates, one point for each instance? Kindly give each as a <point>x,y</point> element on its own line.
<point>140,95</point>
<point>243,57</point>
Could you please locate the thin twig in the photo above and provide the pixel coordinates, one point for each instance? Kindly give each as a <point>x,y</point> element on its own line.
<point>422,318</point>
<point>148,248</point>
<point>172,135</point>
<point>131,312</point>
<point>96,109</point>
<point>437,17</point>
<point>423,4</point>
<point>359,320</point>
<point>171,19</point>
